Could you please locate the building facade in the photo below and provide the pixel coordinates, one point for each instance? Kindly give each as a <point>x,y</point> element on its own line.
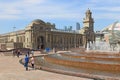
<point>39,35</point>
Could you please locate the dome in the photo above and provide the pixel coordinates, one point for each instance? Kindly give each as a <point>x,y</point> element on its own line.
<point>110,27</point>
<point>38,21</point>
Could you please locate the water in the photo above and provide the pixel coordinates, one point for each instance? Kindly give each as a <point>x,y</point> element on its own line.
<point>59,56</point>
<point>102,46</point>
<point>70,69</point>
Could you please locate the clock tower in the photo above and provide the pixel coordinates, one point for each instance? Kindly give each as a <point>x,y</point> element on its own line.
<point>88,26</point>
<point>88,20</point>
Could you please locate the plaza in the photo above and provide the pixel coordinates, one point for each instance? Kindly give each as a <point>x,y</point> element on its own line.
<point>11,69</point>
<point>71,53</point>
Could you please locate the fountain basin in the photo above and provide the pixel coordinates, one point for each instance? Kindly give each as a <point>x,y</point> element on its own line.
<point>84,64</point>
<point>92,57</point>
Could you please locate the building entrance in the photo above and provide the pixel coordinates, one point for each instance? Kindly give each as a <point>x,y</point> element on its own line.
<point>40,42</point>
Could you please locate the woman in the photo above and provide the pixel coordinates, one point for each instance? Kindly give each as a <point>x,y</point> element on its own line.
<point>32,62</point>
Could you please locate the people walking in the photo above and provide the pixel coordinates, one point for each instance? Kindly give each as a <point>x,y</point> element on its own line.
<point>32,62</point>
<point>26,62</point>
<point>18,53</point>
<point>13,51</point>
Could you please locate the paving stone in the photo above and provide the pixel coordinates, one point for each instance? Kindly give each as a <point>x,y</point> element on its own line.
<point>11,69</point>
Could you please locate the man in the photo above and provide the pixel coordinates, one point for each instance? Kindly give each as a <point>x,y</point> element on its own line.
<point>26,62</point>
<point>18,53</point>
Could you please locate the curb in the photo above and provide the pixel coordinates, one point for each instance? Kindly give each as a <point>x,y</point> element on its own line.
<point>90,76</point>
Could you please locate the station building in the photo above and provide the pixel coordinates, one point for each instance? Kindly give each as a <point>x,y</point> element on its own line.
<point>39,35</point>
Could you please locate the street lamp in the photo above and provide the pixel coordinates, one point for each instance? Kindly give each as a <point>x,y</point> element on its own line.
<point>75,39</point>
<point>14,31</point>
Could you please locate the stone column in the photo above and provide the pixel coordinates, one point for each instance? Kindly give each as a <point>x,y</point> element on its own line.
<point>50,41</point>
<point>46,39</point>
<point>63,45</point>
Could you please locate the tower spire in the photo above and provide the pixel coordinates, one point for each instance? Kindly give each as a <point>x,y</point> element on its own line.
<point>88,20</point>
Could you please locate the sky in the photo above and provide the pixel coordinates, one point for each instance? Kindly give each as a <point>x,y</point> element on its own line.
<point>20,13</point>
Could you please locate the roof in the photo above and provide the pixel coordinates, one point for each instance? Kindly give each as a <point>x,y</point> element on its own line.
<point>114,26</point>
<point>38,21</point>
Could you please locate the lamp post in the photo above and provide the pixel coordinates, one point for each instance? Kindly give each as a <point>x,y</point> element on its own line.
<point>86,43</point>
<point>14,31</point>
<point>75,39</point>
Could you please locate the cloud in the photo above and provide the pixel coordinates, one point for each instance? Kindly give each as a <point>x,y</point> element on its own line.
<point>110,9</point>
<point>73,9</point>
<point>109,16</point>
<point>9,17</point>
<point>33,1</point>
<point>101,2</point>
<point>41,8</point>
<point>17,8</point>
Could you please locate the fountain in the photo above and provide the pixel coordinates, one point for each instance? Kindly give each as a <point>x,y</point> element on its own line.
<point>99,46</point>
<point>94,65</point>
<point>98,62</point>
<point>103,46</point>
